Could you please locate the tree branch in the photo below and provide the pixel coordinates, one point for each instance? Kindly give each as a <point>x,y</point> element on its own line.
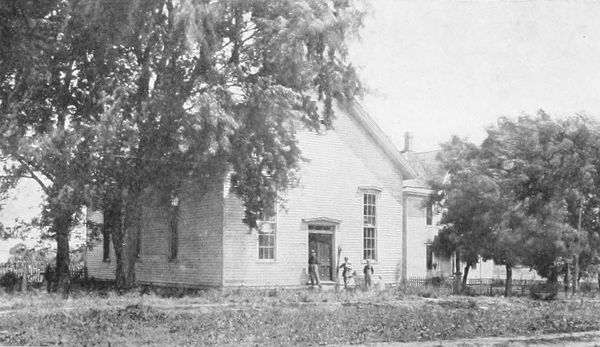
<point>27,165</point>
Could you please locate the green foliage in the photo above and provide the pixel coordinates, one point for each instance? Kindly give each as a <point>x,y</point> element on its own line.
<point>46,104</point>
<point>102,102</point>
<point>544,291</point>
<point>518,198</point>
<point>10,281</point>
<point>205,87</point>
<point>470,200</point>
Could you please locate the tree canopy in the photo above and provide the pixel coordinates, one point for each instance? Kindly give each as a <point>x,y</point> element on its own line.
<point>526,196</point>
<point>101,101</point>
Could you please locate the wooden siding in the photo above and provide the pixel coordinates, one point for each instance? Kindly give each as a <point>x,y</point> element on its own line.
<point>216,248</point>
<point>97,267</point>
<point>419,234</point>
<point>340,161</point>
<point>200,249</point>
<point>199,259</point>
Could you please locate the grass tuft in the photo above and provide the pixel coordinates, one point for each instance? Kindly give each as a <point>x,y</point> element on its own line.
<point>279,316</point>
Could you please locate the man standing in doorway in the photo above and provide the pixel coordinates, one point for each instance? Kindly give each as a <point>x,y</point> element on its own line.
<point>313,268</point>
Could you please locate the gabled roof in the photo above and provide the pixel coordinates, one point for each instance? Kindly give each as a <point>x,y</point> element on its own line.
<point>355,110</point>
<point>425,164</point>
<point>427,168</point>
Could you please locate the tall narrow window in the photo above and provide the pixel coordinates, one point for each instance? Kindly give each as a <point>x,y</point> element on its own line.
<point>138,243</point>
<point>429,257</point>
<point>267,228</point>
<point>105,244</point>
<point>369,226</point>
<point>429,214</point>
<point>173,224</point>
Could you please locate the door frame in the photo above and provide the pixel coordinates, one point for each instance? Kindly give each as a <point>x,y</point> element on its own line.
<point>324,227</point>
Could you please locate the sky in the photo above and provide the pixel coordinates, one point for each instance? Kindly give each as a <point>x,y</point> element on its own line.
<point>443,68</point>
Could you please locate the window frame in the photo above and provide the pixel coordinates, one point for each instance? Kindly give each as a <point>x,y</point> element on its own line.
<point>106,240</point>
<point>174,228</point>
<point>370,219</point>
<point>429,257</point>
<point>138,244</point>
<point>429,214</point>
<point>270,247</point>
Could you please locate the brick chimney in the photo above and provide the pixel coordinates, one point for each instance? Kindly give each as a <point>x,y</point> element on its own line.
<point>408,142</point>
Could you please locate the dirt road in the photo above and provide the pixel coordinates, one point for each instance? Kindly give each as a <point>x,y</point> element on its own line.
<point>579,339</point>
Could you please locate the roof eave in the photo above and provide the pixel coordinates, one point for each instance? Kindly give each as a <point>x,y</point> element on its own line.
<point>380,138</point>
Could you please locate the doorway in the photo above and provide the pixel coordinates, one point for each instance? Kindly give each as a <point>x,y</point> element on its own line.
<point>320,238</point>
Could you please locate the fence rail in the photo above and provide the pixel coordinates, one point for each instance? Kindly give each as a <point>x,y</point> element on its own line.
<point>478,286</point>
<point>35,274</point>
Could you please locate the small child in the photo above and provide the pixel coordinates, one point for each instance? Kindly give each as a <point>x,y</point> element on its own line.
<point>380,284</point>
<point>350,283</point>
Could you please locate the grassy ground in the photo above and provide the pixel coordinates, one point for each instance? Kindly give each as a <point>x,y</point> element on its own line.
<point>279,317</point>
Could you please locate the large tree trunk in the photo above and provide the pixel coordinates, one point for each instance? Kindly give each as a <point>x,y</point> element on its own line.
<point>61,225</point>
<point>25,276</point>
<point>575,273</point>
<point>567,279</point>
<point>552,277</point>
<point>465,275</point>
<point>457,278</point>
<point>125,219</point>
<point>508,286</point>
<point>576,256</point>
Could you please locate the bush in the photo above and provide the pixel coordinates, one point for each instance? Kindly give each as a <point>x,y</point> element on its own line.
<point>587,287</point>
<point>79,274</point>
<point>435,281</point>
<point>423,291</point>
<point>10,281</point>
<point>544,291</point>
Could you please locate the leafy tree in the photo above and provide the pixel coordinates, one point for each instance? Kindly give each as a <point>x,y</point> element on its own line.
<point>45,101</point>
<point>104,100</point>
<point>580,175</point>
<point>479,218</point>
<point>552,165</point>
<point>154,93</point>
<point>465,201</point>
<point>521,198</point>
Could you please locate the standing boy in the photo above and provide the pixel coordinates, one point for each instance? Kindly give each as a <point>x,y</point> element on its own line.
<point>346,271</point>
<point>313,269</point>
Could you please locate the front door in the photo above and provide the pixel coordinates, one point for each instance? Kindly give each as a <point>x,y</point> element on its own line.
<point>322,244</point>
